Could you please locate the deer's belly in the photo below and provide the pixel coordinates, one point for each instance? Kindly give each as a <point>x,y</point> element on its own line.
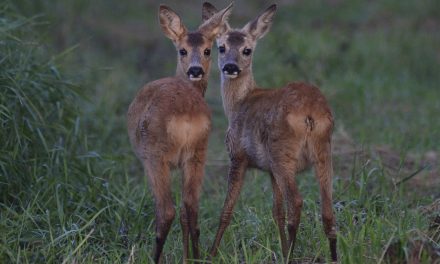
<point>257,153</point>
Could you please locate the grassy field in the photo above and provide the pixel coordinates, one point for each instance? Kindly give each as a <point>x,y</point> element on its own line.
<point>71,190</point>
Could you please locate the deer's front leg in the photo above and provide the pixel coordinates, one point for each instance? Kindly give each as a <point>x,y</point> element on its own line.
<point>235,182</point>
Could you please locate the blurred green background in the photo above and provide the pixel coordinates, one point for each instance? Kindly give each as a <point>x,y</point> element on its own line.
<point>72,190</point>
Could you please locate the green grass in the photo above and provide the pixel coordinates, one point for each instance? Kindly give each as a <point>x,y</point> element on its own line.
<point>72,191</point>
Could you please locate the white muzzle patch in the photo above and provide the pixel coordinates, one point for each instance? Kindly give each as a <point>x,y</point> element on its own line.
<point>230,76</point>
<point>194,79</point>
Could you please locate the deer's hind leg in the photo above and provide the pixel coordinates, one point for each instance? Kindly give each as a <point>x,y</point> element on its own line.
<point>294,202</point>
<point>184,224</point>
<point>158,173</point>
<point>193,171</point>
<point>321,151</point>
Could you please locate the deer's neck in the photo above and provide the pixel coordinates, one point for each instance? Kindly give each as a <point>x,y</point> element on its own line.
<point>235,90</point>
<point>201,85</point>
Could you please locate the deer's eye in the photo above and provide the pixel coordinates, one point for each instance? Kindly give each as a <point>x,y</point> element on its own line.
<point>207,52</point>
<point>221,49</point>
<point>247,52</point>
<point>183,52</point>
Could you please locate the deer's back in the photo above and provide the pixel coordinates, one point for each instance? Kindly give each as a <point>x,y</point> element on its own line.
<point>167,116</point>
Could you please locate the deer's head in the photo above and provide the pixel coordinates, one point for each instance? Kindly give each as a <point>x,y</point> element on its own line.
<point>193,47</point>
<point>236,46</point>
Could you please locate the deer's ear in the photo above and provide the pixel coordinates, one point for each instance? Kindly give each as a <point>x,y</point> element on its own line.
<point>208,10</point>
<point>258,27</point>
<point>171,23</point>
<point>217,23</point>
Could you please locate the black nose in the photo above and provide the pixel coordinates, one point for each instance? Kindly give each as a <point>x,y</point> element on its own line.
<point>195,72</point>
<point>231,69</point>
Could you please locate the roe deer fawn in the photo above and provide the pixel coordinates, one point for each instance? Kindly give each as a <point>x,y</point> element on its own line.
<point>168,125</point>
<point>281,131</point>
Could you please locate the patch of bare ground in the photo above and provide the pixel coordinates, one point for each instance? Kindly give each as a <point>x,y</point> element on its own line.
<point>421,170</point>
